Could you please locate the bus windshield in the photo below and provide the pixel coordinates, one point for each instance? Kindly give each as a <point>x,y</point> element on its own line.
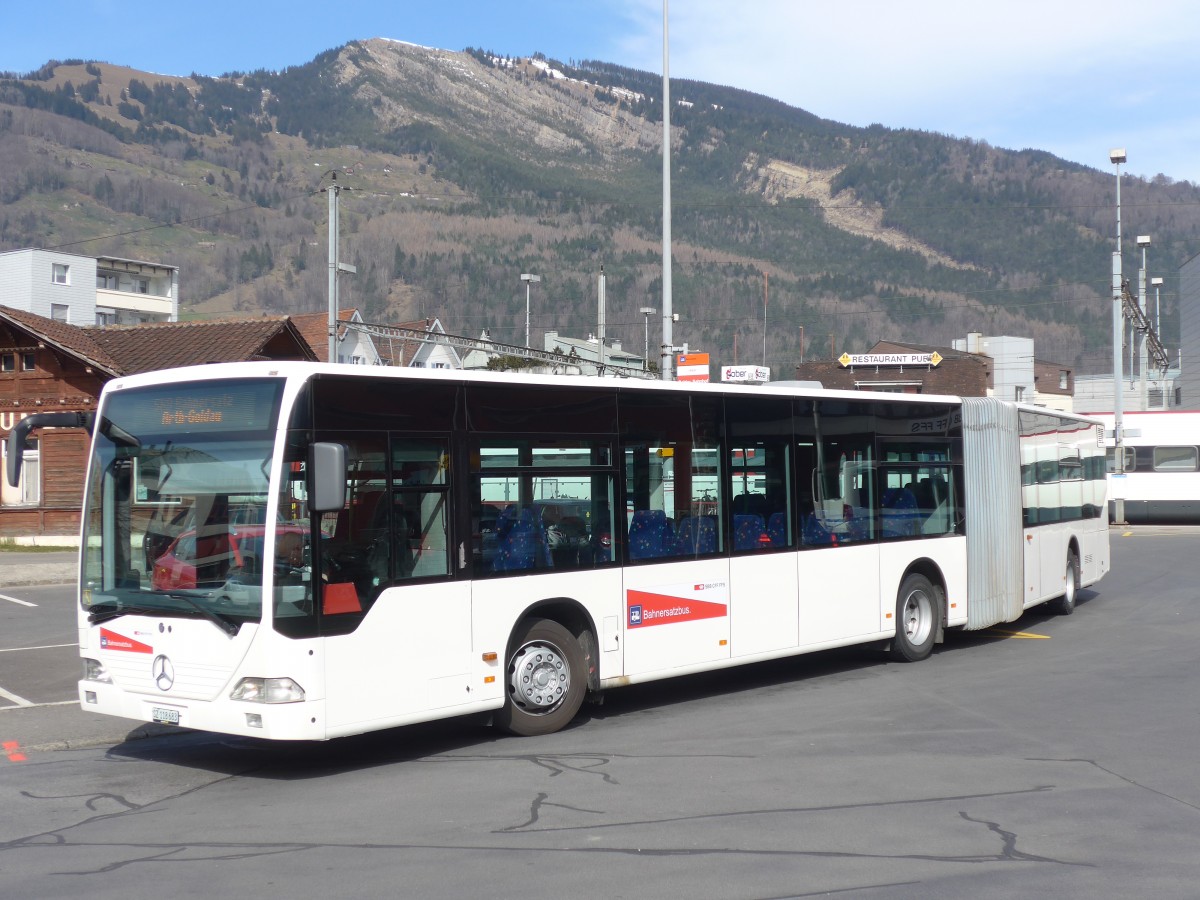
<point>177,496</point>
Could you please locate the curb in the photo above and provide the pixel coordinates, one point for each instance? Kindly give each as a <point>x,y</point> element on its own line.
<point>28,576</point>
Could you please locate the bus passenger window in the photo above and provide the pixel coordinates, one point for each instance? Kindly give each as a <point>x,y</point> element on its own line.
<point>541,505</point>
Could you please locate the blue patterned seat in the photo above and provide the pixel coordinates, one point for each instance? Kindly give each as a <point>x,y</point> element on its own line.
<point>520,541</point>
<point>697,536</point>
<point>899,512</point>
<point>749,533</point>
<point>777,529</point>
<point>649,534</point>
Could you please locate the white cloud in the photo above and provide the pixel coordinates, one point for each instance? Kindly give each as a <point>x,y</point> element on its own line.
<point>1037,73</point>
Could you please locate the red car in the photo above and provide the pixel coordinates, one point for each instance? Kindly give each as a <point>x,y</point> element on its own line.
<point>206,560</point>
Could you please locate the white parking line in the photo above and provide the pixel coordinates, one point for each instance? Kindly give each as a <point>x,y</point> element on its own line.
<point>28,705</point>
<point>15,600</point>
<point>43,647</point>
<point>13,698</point>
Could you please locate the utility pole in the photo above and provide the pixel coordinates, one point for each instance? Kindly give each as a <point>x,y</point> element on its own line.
<point>600,316</point>
<point>332,193</point>
<point>529,280</point>
<point>647,312</point>
<point>335,265</point>
<point>766,282</point>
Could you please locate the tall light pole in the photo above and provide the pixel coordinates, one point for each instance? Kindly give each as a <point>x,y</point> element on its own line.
<point>648,311</point>
<point>1116,157</point>
<point>668,318</point>
<point>529,280</point>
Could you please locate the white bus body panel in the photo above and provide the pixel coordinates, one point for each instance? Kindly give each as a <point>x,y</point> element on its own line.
<point>411,653</point>
<point>677,614</point>
<point>839,593</point>
<point>765,603</point>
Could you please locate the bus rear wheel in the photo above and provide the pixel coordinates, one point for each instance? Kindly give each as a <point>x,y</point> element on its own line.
<point>1065,605</point>
<point>544,680</point>
<point>917,613</point>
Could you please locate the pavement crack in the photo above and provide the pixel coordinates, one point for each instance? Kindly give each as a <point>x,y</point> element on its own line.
<point>1125,778</point>
<point>535,812</point>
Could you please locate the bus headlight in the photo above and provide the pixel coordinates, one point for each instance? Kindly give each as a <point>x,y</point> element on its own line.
<point>267,690</point>
<point>93,670</point>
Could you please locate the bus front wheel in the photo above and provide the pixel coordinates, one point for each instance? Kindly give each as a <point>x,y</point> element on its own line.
<point>917,614</point>
<point>544,680</point>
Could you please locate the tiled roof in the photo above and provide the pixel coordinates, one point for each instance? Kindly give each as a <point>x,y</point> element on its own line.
<point>125,350</point>
<point>71,338</point>
<point>165,345</point>
<point>314,328</point>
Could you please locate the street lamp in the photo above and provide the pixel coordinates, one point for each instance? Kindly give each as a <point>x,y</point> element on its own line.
<point>528,279</point>
<point>647,311</point>
<point>1116,157</point>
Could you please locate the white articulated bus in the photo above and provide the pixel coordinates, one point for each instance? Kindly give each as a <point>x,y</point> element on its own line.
<point>302,551</point>
<point>1161,479</point>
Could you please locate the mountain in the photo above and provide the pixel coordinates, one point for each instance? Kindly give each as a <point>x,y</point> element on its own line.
<point>465,170</point>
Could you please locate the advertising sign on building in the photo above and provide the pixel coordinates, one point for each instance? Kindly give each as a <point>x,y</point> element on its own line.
<point>746,374</point>
<point>890,359</point>
<point>691,367</point>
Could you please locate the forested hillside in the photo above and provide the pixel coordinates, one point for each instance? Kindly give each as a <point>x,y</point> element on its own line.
<point>465,170</point>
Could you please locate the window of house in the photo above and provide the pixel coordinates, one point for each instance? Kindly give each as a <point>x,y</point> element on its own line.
<point>8,362</point>
<point>1063,380</point>
<point>141,285</point>
<point>60,273</point>
<point>1020,393</point>
<point>60,312</point>
<point>28,361</point>
<point>29,489</point>
<point>107,281</point>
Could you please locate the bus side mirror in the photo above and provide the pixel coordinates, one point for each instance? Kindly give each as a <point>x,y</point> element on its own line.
<point>326,477</point>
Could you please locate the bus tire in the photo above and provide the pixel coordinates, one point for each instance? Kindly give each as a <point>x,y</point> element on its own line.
<point>1065,605</point>
<point>544,680</point>
<point>917,614</point>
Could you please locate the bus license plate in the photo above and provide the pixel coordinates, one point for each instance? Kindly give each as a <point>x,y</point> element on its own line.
<point>164,716</point>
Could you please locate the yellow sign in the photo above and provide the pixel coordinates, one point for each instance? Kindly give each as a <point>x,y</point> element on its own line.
<point>890,359</point>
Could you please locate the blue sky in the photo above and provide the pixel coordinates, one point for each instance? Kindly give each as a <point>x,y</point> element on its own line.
<point>1065,76</point>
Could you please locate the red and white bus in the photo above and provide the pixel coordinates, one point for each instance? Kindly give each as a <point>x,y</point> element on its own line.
<point>446,543</point>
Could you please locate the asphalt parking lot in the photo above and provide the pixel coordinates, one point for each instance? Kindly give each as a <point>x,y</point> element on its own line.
<point>1054,757</point>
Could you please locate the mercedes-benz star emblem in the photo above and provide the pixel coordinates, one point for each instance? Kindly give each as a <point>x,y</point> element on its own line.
<point>163,672</point>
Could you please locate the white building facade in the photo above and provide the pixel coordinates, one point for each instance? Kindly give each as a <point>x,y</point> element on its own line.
<point>89,290</point>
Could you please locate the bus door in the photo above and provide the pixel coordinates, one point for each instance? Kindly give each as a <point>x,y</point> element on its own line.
<point>676,581</point>
<point>838,574</point>
<point>389,604</point>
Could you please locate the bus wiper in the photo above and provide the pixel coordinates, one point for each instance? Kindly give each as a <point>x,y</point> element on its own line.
<point>228,626</point>
<point>109,611</point>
